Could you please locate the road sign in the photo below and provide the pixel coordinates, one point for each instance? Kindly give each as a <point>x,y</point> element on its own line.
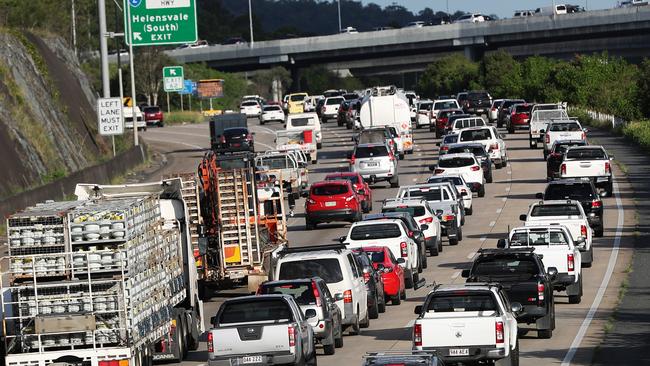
<point>173,78</point>
<point>109,116</point>
<point>189,87</point>
<point>161,22</point>
<point>212,88</point>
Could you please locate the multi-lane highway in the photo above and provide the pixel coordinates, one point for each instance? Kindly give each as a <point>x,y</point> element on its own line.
<point>580,328</point>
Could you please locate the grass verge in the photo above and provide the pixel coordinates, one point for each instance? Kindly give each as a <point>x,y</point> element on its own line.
<point>174,118</point>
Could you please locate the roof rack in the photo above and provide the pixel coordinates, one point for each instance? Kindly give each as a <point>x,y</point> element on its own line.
<point>508,250</point>
<point>313,248</point>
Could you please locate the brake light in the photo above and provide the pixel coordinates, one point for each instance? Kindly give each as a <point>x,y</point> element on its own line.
<point>498,330</point>
<point>347,297</point>
<point>114,362</point>
<point>210,342</point>
<point>223,139</point>
<point>417,335</point>
<point>583,230</point>
<point>540,293</point>
<point>584,137</point>
<point>403,249</point>
<point>563,169</point>
<point>322,109</point>
<point>607,167</point>
<point>548,139</point>
<point>352,159</point>
<point>249,137</point>
<point>292,336</point>
<point>476,168</point>
<point>448,218</point>
<point>366,277</point>
<point>494,147</point>
<point>316,292</point>
<point>596,204</point>
<point>570,262</point>
<point>444,148</point>
<point>426,220</point>
<point>438,171</point>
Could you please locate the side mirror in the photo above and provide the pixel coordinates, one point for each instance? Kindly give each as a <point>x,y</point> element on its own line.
<point>552,272</point>
<point>539,195</point>
<point>437,144</point>
<point>465,273</point>
<point>516,308</point>
<point>213,320</point>
<point>522,217</point>
<point>361,191</point>
<point>439,212</point>
<point>338,297</point>
<point>542,131</point>
<point>611,157</point>
<point>502,243</point>
<point>304,194</point>
<point>424,227</point>
<point>342,239</point>
<point>310,313</point>
<point>380,267</point>
<point>401,260</point>
<point>418,310</point>
<point>585,130</point>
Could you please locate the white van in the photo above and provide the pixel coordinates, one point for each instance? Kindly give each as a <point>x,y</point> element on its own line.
<point>389,110</point>
<point>305,121</point>
<point>336,265</point>
<point>556,9</point>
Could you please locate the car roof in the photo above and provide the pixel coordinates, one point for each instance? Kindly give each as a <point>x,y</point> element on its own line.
<point>342,174</point>
<point>464,287</point>
<point>555,202</point>
<point>297,280</point>
<point>377,221</point>
<point>456,155</point>
<point>387,215</point>
<point>448,175</point>
<point>372,145</point>
<point>330,183</point>
<point>569,142</point>
<point>466,144</point>
<point>259,298</point>
<point>444,100</point>
<point>587,147</point>
<point>569,181</point>
<point>415,201</point>
<point>307,114</point>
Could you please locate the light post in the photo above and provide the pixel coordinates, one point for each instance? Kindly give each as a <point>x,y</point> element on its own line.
<point>250,20</point>
<point>339,7</point>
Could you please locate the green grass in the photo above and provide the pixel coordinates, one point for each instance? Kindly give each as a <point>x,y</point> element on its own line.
<point>639,133</point>
<point>184,117</point>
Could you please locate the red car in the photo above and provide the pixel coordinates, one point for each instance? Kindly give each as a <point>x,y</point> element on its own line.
<point>360,187</point>
<point>442,119</point>
<point>331,201</point>
<point>153,116</point>
<point>393,273</point>
<point>519,117</point>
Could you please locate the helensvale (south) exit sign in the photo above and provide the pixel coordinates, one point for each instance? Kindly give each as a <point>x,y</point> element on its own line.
<point>161,22</point>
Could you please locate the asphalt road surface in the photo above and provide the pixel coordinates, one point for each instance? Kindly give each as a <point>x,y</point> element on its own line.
<point>580,328</point>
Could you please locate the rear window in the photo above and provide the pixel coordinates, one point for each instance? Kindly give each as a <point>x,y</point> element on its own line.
<point>272,108</point>
<point>514,269</point>
<point>297,98</point>
<point>464,123</point>
<point>275,163</point>
<point>249,104</point>
<point>376,256</point>
<point>444,105</point>
<point>537,237</point>
<point>303,121</point>
<point>509,103</point>
<point>462,301</point>
<point>256,310</point>
<point>151,109</point>
<point>564,127</point>
<point>370,151</point>
<point>328,269</point>
<point>376,231</point>
<point>235,131</point>
<point>429,194</point>
<point>453,180</point>
<point>586,154</point>
<point>476,150</point>
<point>333,101</point>
<point>329,190</point>
<point>301,292</point>
<point>450,139</point>
<point>562,148</point>
<point>456,162</point>
<point>475,135</point>
<point>580,191</point>
<point>415,211</point>
<point>555,210</point>
<point>425,106</point>
<point>351,178</point>
<point>476,96</point>
<point>523,108</point>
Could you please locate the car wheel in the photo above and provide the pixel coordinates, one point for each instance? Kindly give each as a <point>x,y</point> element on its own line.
<point>481,192</point>
<point>373,312</point>
<point>396,300</point>
<point>312,359</point>
<point>416,278</point>
<point>497,166</point>
<point>330,349</point>
<point>499,124</point>
<point>489,178</point>
<point>382,305</point>
<point>425,263</point>
<point>505,161</point>
<point>309,225</point>
<point>355,329</point>
<point>403,295</point>
<point>261,122</point>
<point>599,232</point>
<point>459,234</point>
<point>338,341</point>
<point>453,241</point>
<point>544,333</point>
<point>575,299</point>
<point>365,323</point>
<point>408,279</point>
<point>469,211</point>
<point>394,182</point>
<point>319,145</point>
<point>511,130</point>
<point>434,252</point>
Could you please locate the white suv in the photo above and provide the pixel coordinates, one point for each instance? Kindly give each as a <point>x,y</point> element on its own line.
<point>272,113</point>
<point>330,109</point>
<point>461,186</point>
<point>427,220</point>
<point>466,165</point>
<point>336,265</point>
<point>491,139</point>
<point>375,162</point>
<point>251,108</point>
<point>392,234</point>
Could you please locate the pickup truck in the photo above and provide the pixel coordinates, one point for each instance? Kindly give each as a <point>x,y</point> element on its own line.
<point>468,323</point>
<point>539,118</point>
<point>555,244</point>
<point>304,140</point>
<point>442,201</point>
<point>293,174</point>
<point>562,130</point>
<point>571,215</point>
<point>261,330</point>
<point>591,162</point>
<point>522,276</point>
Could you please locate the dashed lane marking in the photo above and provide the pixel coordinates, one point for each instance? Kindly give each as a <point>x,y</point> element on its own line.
<point>410,324</point>
<point>471,255</point>
<point>492,223</point>
<point>504,199</point>
<point>176,142</point>
<point>483,238</point>
<point>507,189</point>
<point>499,210</point>
<point>456,275</point>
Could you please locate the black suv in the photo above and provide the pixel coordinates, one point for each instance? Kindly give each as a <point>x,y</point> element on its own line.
<point>374,284</point>
<point>478,102</point>
<point>522,276</point>
<point>582,190</point>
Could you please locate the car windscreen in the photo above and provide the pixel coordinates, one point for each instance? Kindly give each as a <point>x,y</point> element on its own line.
<point>249,104</point>
<point>472,122</point>
<point>475,135</point>
<point>415,211</point>
<point>235,132</point>
<point>476,150</point>
<point>334,101</point>
<point>376,256</point>
<point>460,301</point>
<point>457,181</point>
<point>512,269</point>
<point>352,178</point>
<point>328,269</point>
<point>370,152</point>
<point>564,127</point>
<point>477,96</point>
<point>533,237</point>
<point>450,139</point>
<point>275,163</point>
<point>151,109</point>
<point>579,191</point>
<point>444,105</point>
<point>586,154</point>
<point>302,121</point>
<point>297,98</point>
<point>562,148</point>
<point>272,108</point>
<point>302,292</point>
<point>375,231</point>
<point>554,210</point>
<point>425,106</point>
<point>455,162</point>
<point>255,310</point>
<point>329,190</point>
<point>523,108</point>
<point>429,194</point>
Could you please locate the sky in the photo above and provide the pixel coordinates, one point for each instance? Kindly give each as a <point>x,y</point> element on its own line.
<point>502,8</point>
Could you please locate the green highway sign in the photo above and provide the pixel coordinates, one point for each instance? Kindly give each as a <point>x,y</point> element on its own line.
<point>173,79</point>
<point>160,22</point>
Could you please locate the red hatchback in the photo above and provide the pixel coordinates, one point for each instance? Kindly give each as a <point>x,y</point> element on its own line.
<point>360,187</point>
<point>153,116</point>
<point>519,117</point>
<point>393,273</point>
<point>331,201</point>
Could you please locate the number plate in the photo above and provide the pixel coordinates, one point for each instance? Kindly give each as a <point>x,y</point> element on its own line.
<point>330,204</point>
<point>372,164</point>
<point>251,359</point>
<point>459,352</point>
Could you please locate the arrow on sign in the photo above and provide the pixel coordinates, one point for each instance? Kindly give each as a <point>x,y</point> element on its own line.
<point>172,72</point>
<point>137,36</point>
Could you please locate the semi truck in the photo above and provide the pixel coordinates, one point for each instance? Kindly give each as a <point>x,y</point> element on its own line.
<point>108,279</point>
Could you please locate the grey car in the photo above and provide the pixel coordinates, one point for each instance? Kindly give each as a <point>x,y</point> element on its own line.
<point>375,162</point>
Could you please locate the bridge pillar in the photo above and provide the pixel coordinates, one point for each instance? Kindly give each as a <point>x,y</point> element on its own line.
<point>474,53</point>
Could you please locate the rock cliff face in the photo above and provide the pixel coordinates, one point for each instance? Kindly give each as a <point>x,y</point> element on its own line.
<point>47,116</point>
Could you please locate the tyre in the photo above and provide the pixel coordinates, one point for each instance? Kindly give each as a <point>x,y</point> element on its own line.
<point>373,312</point>
<point>459,234</point>
<point>505,162</point>
<point>309,225</point>
<point>401,156</point>
<point>416,278</point>
<point>403,295</point>
<point>499,124</point>
<point>355,328</point>
<point>396,300</point>
<point>591,258</point>
<point>312,361</point>
<point>330,349</point>
<point>382,305</point>
<point>434,251</point>
<point>440,245</point>
<point>394,182</point>
<point>577,298</point>
<point>497,166</point>
<point>338,341</point>
<point>545,156</point>
<point>511,130</point>
<point>408,279</point>
<point>178,340</point>
<point>424,261</point>
<point>489,178</point>
<point>453,241</point>
<point>469,211</point>
<point>544,333</point>
<point>319,145</point>
<point>481,192</point>
<point>599,232</point>
<point>365,323</point>
<point>262,122</point>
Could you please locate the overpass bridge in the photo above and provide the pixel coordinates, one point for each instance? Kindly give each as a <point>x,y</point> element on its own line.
<point>624,32</point>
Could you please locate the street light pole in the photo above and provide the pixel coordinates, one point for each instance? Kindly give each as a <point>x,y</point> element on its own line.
<point>134,117</point>
<point>340,26</point>
<point>250,20</point>
<point>103,49</point>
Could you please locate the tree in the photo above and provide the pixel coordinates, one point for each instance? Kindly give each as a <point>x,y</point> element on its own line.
<point>643,87</point>
<point>501,74</point>
<point>263,81</point>
<point>537,80</point>
<point>148,71</point>
<point>448,75</point>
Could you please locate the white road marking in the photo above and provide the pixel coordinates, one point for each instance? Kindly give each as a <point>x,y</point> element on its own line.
<point>613,256</point>
<point>507,189</point>
<point>456,275</point>
<point>179,133</point>
<point>504,199</point>
<point>509,171</point>
<point>483,238</point>
<point>415,179</point>
<point>265,145</point>
<point>492,223</point>
<point>499,210</point>
<point>265,129</point>
<point>410,324</point>
<point>471,255</point>
<point>175,142</point>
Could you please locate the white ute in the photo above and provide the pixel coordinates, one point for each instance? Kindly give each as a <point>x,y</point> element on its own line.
<point>590,162</point>
<point>468,323</point>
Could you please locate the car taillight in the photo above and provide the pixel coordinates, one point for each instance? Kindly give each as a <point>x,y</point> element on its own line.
<point>596,204</point>
<point>448,218</point>
<point>584,136</point>
<point>391,157</point>
<point>352,159</point>
<point>114,363</point>
<point>210,342</point>
<point>476,168</point>
<point>223,139</point>
<point>426,220</point>
<point>292,336</point>
<point>311,201</point>
<point>607,167</point>
<point>403,249</point>
<point>438,171</point>
<point>548,139</point>
<point>249,137</point>
<point>347,297</point>
<point>563,169</point>
<point>498,330</point>
<point>444,148</point>
<point>366,277</point>
<point>583,230</point>
<point>417,335</point>
<point>316,293</point>
<point>540,293</point>
<point>570,262</point>
<point>323,109</point>
<point>494,147</point>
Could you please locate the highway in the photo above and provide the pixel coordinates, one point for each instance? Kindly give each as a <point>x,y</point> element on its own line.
<point>580,328</point>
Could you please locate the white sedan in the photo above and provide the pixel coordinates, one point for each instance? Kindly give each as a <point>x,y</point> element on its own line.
<point>271,113</point>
